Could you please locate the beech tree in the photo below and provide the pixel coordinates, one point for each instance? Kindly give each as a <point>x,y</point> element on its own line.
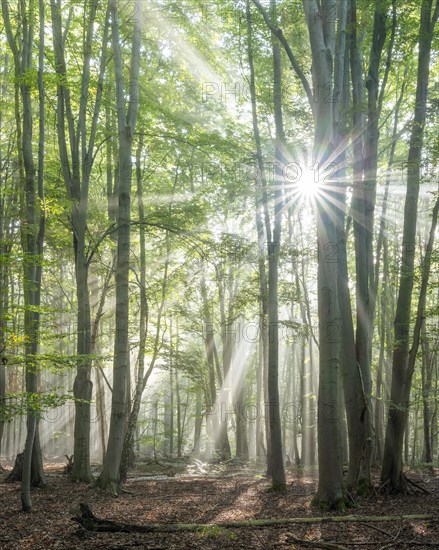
<point>126,123</point>
<point>76,142</point>
<point>213,159</point>
<point>403,358</point>
<point>31,171</point>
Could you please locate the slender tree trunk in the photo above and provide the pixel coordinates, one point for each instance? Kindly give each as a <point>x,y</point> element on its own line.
<point>33,227</point>
<point>142,376</point>
<point>101,412</point>
<point>180,420</point>
<point>353,389</point>
<point>77,156</point>
<point>227,339</point>
<point>242,450</point>
<point>2,394</point>
<point>259,439</point>
<point>209,337</point>
<point>171,416</point>
<point>403,358</point>
<point>427,386</point>
<point>261,216</point>
<point>110,476</point>
<point>295,455</point>
<point>101,408</point>
<point>198,423</point>
<point>4,305</point>
<point>363,231</point>
<point>273,249</point>
<point>382,258</point>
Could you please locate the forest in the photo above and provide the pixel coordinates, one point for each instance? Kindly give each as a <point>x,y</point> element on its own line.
<point>219,274</point>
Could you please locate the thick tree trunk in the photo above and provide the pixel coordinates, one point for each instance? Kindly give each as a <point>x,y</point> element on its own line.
<point>325,49</point>
<point>83,386</point>
<point>331,493</point>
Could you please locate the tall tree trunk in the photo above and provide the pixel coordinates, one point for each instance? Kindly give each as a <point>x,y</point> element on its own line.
<point>142,376</point>
<point>427,386</point>
<point>218,427</point>
<point>77,157</point>
<point>326,34</point>
<point>325,51</point>
<point>198,423</point>
<point>382,257</point>
<point>364,200</point>
<point>353,389</point>
<point>109,478</point>
<point>242,450</point>
<point>403,358</point>
<point>101,408</point>
<point>261,216</point>
<point>259,436</point>
<point>363,216</point>
<point>33,226</point>
<point>5,248</point>
<point>227,339</point>
<point>273,249</point>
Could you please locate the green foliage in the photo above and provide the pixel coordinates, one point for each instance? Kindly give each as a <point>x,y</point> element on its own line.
<point>21,403</point>
<point>216,532</point>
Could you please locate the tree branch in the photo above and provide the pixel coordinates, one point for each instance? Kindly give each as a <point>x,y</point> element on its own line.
<point>280,35</point>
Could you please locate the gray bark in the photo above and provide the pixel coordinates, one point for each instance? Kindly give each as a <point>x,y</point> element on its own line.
<point>198,423</point>
<point>76,155</point>
<point>382,256</point>
<point>273,249</point>
<point>427,387</point>
<point>109,478</point>
<point>261,215</point>
<point>32,230</point>
<point>219,428</point>
<point>391,473</point>
<point>325,49</point>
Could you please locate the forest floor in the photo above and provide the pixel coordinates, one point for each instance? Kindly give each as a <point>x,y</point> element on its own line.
<point>199,493</point>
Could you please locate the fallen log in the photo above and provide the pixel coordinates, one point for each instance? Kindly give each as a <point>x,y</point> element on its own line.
<point>91,523</point>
